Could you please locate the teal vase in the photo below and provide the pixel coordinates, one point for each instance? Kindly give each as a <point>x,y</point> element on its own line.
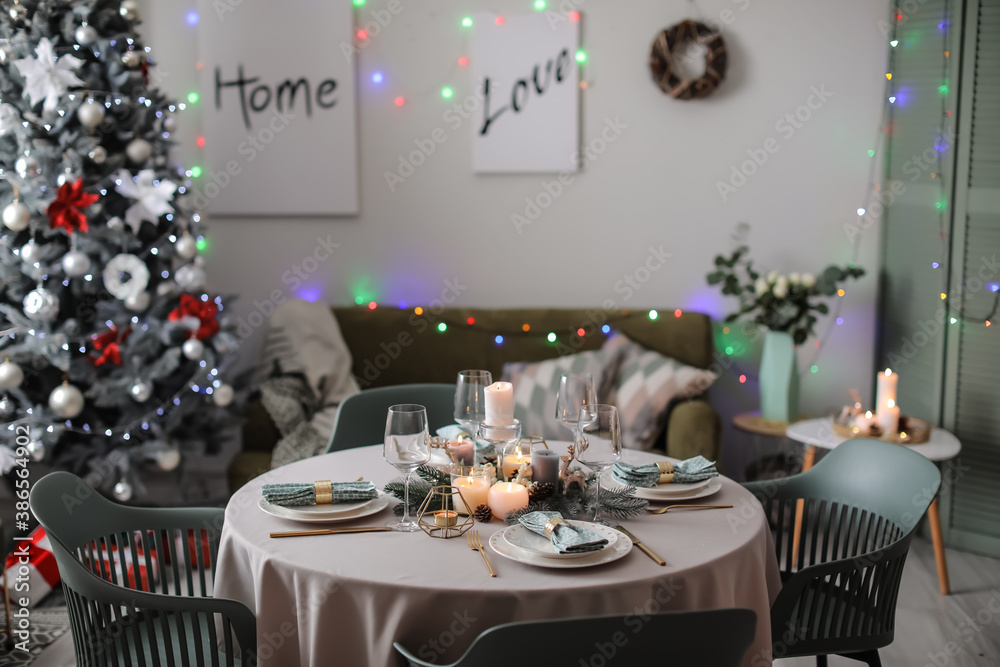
<point>779,378</point>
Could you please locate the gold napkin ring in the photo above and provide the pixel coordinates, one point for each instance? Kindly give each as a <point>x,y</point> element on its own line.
<point>324,492</point>
<point>550,525</point>
<point>666,472</point>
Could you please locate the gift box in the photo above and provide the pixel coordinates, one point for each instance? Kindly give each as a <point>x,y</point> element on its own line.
<point>194,539</point>
<point>135,568</point>
<point>31,568</point>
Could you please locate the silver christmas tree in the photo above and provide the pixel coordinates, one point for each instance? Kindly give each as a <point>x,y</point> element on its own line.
<point>112,353</point>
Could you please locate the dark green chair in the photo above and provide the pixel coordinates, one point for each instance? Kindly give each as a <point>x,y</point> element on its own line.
<point>860,506</point>
<point>135,618</point>
<point>718,638</point>
<point>361,417</point>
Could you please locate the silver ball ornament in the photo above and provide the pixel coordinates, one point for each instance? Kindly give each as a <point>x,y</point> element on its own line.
<point>131,59</point>
<point>123,491</point>
<point>139,150</point>
<point>193,348</point>
<point>141,391</point>
<point>41,305</point>
<point>64,178</point>
<point>16,216</point>
<point>76,263</point>
<point>190,277</point>
<point>85,35</point>
<point>66,401</point>
<point>186,246</point>
<point>18,12</point>
<point>11,376</point>
<point>166,288</point>
<point>223,395</point>
<point>90,114</point>
<point>168,458</point>
<point>36,450</point>
<point>129,9</point>
<point>137,302</point>
<point>169,123</point>
<point>27,166</point>
<point>98,154</point>
<point>30,252</point>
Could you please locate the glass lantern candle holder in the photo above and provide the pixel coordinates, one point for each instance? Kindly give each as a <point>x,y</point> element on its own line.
<point>473,484</point>
<point>501,436</point>
<point>515,455</point>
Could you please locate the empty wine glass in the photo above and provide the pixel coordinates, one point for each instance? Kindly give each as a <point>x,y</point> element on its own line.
<point>600,443</point>
<point>407,446</point>
<point>470,399</point>
<point>576,390</point>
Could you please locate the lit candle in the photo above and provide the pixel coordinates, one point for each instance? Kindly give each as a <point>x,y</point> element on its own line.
<point>888,418</point>
<point>863,423</point>
<point>445,518</point>
<point>500,404</point>
<point>544,465</point>
<point>507,497</point>
<point>463,451</point>
<point>513,462</point>
<point>474,489</point>
<point>886,410</point>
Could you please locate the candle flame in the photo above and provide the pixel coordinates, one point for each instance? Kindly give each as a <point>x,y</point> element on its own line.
<point>888,371</point>
<point>868,414</point>
<point>902,435</point>
<point>890,403</point>
<point>469,480</point>
<point>510,487</point>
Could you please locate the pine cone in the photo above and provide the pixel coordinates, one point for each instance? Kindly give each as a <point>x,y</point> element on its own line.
<point>541,490</point>
<point>483,513</point>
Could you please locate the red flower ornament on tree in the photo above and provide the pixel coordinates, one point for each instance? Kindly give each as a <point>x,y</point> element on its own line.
<point>65,210</point>
<point>203,311</point>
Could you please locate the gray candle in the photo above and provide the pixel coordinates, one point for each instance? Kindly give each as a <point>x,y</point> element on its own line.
<point>544,465</point>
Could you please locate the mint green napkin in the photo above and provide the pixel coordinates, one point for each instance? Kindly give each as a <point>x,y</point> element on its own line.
<point>290,495</point>
<point>647,475</point>
<point>565,538</point>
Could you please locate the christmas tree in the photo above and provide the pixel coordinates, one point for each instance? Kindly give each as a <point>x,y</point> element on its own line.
<point>112,355</point>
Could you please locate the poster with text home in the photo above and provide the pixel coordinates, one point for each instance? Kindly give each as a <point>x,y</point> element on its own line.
<point>525,69</point>
<point>278,108</point>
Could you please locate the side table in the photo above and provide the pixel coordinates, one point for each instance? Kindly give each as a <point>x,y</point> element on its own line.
<point>942,446</point>
<point>759,427</point>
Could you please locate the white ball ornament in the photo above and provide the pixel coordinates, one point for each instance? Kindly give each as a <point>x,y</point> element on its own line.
<point>123,491</point>
<point>193,348</point>
<point>223,395</point>
<point>85,35</point>
<point>131,59</point>
<point>138,151</point>
<point>190,277</point>
<point>137,302</point>
<point>140,391</point>
<point>168,459</point>
<point>186,246</point>
<point>18,12</point>
<point>166,288</point>
<point>169,123</point>
<point>41,305</point>
<point>76,263</point>
<point>90,114</point>
<point>16,216</point>
<point>30,252</point>
<point>129,9</point>
<point>66,401</point>
<point>11,375</point>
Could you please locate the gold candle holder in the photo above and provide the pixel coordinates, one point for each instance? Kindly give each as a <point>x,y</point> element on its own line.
<point>444,521</point>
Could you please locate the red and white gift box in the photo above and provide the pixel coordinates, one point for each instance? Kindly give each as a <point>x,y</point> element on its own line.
<point>118,558</point>
<point>31,568</point>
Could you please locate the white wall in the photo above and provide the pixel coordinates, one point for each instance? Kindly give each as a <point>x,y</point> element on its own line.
<point>654,185</point>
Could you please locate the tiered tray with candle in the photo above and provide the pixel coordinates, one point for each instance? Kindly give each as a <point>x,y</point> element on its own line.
<point>886,423</point>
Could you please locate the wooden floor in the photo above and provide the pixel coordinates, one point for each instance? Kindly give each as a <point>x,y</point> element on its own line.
<point>927,624</point>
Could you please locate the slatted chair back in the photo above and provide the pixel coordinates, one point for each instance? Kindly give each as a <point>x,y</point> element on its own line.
<point>842,531</point>
<point>138,581</point>
<point>719,638</point>
<point>361,417</point>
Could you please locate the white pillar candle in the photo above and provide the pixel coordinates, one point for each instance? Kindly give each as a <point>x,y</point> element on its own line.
<point>512,462</point>
<point>507,497</point>
<point>888,419</point>
<point>474,490</point>
<point>500,404</point>
<point>885,391</point>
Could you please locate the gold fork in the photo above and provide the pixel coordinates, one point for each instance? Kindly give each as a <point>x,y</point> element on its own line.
<point>661,510</point>
<point>476,544</point>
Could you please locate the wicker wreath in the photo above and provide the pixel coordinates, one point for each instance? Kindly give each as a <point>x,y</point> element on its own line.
<point>661,60</point>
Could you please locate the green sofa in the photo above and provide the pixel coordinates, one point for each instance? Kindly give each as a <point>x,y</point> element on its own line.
<point>392,346</point>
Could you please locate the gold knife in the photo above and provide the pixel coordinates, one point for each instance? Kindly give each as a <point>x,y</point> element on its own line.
<point>646,550</point>
<point>359,529</point>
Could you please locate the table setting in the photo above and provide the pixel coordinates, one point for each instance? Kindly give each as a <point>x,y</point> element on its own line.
<point>337,549</point>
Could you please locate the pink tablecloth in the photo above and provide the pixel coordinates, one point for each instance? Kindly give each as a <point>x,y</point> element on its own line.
<point>344,599</point>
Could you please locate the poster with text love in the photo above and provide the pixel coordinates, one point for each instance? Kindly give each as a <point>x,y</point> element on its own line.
<point>525,69</point>
<point>278,109</point>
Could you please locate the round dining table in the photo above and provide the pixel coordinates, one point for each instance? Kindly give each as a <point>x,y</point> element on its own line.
<point>343,599</point>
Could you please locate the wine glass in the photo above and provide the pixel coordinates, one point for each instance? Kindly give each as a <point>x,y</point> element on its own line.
<point>576,390</point>
<point>470,399</point>
<point>600,444</point>
<point>407,446</point>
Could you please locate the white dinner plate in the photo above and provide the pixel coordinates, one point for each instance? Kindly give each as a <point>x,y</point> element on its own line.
<point>610,553</point>
<point>520,537</point>
<point>714,486</point>
<point>665,491</point>
<point>309,513</point>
